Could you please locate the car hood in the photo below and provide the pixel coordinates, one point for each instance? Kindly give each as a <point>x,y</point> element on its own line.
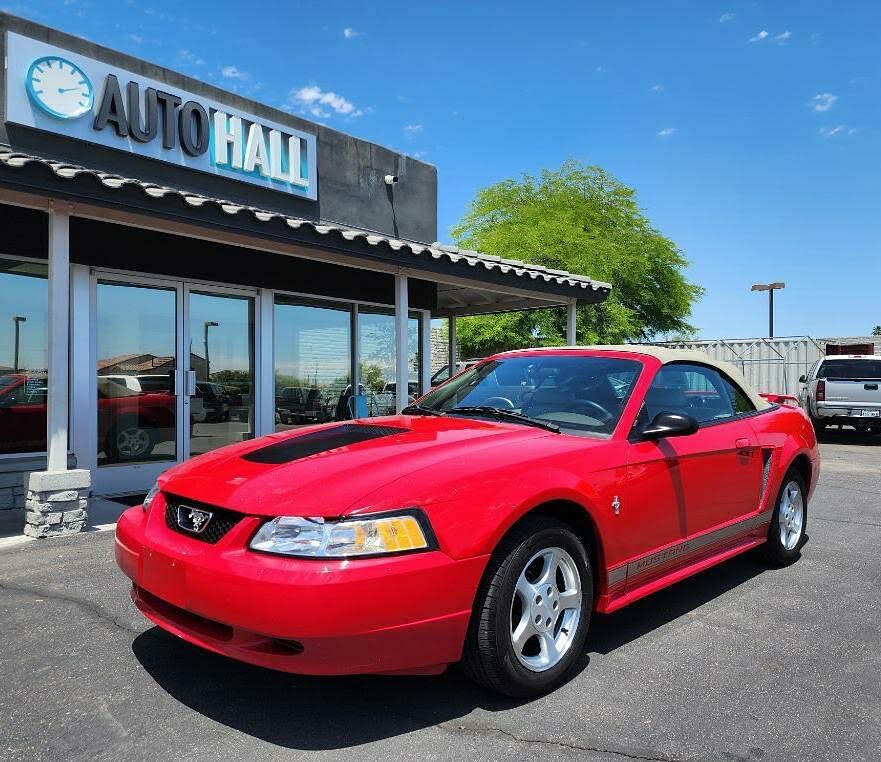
<point>325,470</point>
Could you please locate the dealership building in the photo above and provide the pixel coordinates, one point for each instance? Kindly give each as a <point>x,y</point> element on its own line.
<point>182,268</point>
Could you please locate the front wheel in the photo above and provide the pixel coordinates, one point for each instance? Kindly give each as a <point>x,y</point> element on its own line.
<point>789,521</point>
<point>532,611</point>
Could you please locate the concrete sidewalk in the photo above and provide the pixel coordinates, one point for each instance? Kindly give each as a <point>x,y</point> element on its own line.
<point>103,514</point>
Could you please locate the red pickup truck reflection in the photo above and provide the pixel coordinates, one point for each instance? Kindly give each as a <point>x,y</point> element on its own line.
<point>130,424</point>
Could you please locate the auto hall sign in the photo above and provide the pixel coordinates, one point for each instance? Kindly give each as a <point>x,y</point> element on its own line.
<point>55,90</point>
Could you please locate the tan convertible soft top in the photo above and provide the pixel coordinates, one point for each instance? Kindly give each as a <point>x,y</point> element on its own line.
<point>668,355</point>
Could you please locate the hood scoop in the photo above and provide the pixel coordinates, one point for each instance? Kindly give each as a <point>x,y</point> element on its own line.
<point>320,441</point>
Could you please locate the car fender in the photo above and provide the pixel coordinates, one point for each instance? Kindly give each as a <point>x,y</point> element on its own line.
<point>789,432</point>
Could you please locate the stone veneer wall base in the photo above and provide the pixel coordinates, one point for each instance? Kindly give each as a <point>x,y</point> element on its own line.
<point>57,502</point>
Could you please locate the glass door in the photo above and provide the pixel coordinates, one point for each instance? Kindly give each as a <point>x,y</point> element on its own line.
<point>220,382</point>
<point>138,408</point>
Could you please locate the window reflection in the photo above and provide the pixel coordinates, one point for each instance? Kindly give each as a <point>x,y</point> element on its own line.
<point>23,355</point>
<point>221,355</point>
<point>312,362</point>
<point>376,334</point>
<point>136,338</point>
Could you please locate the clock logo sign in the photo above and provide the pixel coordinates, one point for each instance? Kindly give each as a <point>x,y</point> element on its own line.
<point>59,88</point>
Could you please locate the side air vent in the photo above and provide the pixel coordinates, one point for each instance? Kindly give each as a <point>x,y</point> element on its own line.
<point>766,474</point>
<point>320,441</point>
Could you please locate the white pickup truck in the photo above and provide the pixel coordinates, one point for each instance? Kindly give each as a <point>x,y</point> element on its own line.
<point>844,390</point>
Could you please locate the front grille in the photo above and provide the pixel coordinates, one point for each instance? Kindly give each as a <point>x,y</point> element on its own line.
<point>221,521</point>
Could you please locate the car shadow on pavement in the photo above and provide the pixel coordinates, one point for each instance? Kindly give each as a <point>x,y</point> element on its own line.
<point>306,713</point>
<point>312,713</point>
<point>847,435</point>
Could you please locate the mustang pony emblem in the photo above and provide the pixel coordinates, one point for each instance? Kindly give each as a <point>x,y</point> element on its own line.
<point>193,519</point>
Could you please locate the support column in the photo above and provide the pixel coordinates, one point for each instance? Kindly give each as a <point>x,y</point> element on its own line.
<point>451,349</point>
<point>59,331</point>
<point>57,498</point>
<point>402,309</point>
<point>264,399</point>
<point>571,322</point>
<point>425,354</point>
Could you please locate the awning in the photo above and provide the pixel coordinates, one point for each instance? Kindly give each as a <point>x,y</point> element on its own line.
<point>469,282</point>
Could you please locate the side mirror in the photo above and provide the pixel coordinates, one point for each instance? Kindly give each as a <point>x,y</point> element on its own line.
<point>802,379</point>
<point>670,425</point>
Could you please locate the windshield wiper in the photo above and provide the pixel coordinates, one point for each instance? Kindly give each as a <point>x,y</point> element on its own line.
<point>419,410</point>
<point>506,415</point>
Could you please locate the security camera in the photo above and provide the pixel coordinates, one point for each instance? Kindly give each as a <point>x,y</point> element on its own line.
<point>391,179</point>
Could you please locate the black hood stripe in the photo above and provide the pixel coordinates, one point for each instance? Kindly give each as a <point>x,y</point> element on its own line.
<point>320,441</point>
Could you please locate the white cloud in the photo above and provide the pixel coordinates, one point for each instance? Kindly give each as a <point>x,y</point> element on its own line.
<point>763,35</point>
<point>600,69</point>
<point>666,132</point>
<point>136,38</point>
<point>189,56</point>
<point>317,102</point>
<point>412,129</point>
<point>726,17</point>
<point>658,88</point>
<point>782,38</point>
<point>822,102</point>
<point>349,33</point>
<point>231,72</point>
<point>831,132</point>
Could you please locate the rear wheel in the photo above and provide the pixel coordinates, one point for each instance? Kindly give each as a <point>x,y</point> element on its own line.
<point>532,611</point>
<point>130,440</point>
<point>788,522</point>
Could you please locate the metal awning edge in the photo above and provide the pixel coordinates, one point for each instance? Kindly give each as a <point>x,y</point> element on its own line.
<point>521,270</point>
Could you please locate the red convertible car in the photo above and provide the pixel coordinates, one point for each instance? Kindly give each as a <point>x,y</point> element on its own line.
<point>483,525</point>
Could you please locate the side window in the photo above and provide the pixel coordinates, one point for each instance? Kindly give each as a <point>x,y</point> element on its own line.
<point>742,403</point>
<point>689,389</point>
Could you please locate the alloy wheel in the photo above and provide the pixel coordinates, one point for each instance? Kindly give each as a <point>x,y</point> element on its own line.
<point>790,515</point>
<point>545,609</point>
<point>132,443</point>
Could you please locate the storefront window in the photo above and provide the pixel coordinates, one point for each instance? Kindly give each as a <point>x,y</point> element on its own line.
<point>23,355</point>
<point>312,362</point>
<point>376,334</point>
<point>136,336</point>
<point>221,357</point>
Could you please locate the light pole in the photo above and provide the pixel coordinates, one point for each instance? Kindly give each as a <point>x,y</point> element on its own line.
<point>770,288</point>
<point>18,320</point>
<point>208,324</point>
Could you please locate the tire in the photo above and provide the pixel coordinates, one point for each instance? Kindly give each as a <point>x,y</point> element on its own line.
<point>130,440</point>
<point>525,555</point>
<point>792,493</point>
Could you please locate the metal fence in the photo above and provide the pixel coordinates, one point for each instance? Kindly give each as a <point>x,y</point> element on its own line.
<point>770,365</point>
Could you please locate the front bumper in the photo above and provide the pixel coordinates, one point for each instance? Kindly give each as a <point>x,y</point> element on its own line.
<point>403,614</point>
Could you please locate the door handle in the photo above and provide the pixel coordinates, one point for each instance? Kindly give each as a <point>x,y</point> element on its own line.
<point>742,443</point>
<point>191,383</point>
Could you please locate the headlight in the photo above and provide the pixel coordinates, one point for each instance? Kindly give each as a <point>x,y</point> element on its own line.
<point>154,490</point>
<point>317,538</point>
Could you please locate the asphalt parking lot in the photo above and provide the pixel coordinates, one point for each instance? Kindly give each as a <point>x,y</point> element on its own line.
<point>738,663</point>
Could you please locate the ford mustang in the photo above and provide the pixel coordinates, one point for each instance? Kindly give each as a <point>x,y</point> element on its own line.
<point>482,526</point>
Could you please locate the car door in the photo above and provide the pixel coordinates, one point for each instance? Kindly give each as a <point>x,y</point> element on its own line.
<point>720,465</point>
<point>701,480</point>
<point>23,417</point>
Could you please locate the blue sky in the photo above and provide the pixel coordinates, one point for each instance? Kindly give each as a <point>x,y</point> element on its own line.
<point>751,131</point>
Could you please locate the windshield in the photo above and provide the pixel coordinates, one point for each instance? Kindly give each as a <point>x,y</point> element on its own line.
<point>580,394</point>
<point>850,368</point>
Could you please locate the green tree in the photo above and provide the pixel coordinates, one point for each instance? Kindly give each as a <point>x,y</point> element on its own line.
<point>581,219</point>
<point>876,331</point>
